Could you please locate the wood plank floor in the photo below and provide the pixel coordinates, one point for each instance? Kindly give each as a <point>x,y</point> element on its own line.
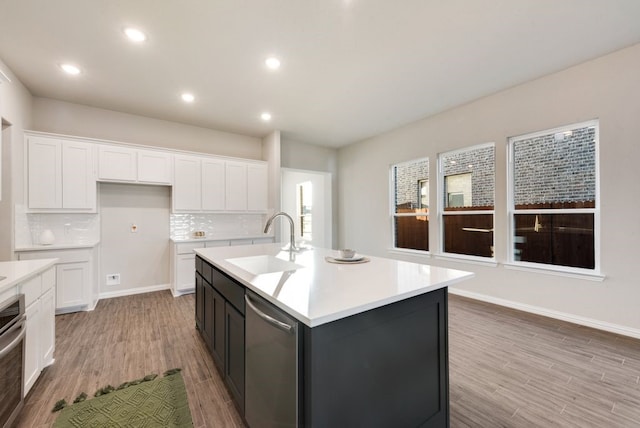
<point>507,368</point>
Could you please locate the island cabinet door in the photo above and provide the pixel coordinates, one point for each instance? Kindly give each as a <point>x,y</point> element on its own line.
<point>208,320</point>
<point>234,367</point>
<point>218,341</point>
<point>386,367</point>
<point>199,302</point>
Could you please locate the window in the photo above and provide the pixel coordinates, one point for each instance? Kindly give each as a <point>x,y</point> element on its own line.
<point>305,201</point>
<point>467,181</point>
<point>410,205</point>
<point>553,197</point>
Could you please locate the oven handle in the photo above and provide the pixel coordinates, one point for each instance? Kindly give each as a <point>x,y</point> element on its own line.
<point>14,342</point>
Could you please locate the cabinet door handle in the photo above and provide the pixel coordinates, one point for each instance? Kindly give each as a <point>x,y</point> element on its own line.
<point>279,324</point>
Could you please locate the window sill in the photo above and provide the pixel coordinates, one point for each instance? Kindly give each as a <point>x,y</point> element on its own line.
<point>406,251</point>
<point>474,260</point>
<point>591,276</point>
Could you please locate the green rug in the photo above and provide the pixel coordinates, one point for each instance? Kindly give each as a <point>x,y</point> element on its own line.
<point>161,402</point>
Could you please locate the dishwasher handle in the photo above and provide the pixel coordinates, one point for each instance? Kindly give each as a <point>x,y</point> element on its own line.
<point>279,324</point>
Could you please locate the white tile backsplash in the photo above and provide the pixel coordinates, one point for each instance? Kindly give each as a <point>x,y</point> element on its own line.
<point>216,225</point>
<point>85,228</point>
<point>67,228</point>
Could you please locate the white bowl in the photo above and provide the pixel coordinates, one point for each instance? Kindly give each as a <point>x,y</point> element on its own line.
<point>347,253</point>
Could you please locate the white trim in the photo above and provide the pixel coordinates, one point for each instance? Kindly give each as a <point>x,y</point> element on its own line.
<point>565,271</point>
<point>409,251</point>
<point>132,291</point>
<point>461,258</point>
<point>563,316</point>
<point>590,274</point>
<point>178,293</point>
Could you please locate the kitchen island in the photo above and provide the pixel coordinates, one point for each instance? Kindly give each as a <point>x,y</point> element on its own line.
<point>359,344</point>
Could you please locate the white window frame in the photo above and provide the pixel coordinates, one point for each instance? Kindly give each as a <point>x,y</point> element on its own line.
<point>441,207</point>
<point>392,207</point>
<point>595,273</point>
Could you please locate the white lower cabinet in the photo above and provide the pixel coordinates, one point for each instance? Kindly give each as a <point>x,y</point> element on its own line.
<point>48,330</point>
<point>72,280</point>
<point>183,266</point>
<point>183,260</point>
<point>31,346</point>
<point>39,342</point>
<point>74,277</point>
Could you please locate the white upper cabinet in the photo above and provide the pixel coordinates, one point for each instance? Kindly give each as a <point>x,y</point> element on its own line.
<point>126,164</point>
<point>117,163</point>
<point>78,182</point>
<point>213,184</point>
<point>257,188</point>
<point>61,175</point>
<point>187,187</point>
<point>236,186</point>
<point>209,184</point>
<point>44,159</point>
<point>154,167</point>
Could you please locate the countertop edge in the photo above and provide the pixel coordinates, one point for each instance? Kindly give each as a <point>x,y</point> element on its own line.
<point>221,238</point>
<point>39,266</point>
<point>56,247</point>
<point>338,314</point>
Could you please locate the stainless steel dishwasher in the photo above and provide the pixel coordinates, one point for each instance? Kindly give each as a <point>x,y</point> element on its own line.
<point>271,365</point>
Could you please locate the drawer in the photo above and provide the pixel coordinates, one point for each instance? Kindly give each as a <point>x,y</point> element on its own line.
<point>229,289</point>
<point>199,264</point>
<point>31,289</point>
<point>242,242</point>
<point>188,247</point>
<point>263,240</point>
<point>207,272</point>
<point>217,244</point>
<point>48,279</point>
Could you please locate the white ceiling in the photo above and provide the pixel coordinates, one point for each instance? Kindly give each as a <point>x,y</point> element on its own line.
<point>351,69</point>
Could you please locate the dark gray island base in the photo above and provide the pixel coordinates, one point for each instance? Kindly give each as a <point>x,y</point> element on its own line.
<point>385,367</point>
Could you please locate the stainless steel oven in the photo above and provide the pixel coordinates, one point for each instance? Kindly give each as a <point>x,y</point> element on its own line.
<point>12,331</point>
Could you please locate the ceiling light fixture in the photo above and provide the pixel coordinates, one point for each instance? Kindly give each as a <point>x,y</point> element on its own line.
<point>135,35</point>
<point>265,116</point>
<point>187,97</point>
<point>70,69</point>
<point>272,63</point>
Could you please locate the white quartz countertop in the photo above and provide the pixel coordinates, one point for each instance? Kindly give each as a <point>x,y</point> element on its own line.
<point>17,271</point>
<point>40,247</point>
<point>179,240</point>
<point>318,292</point>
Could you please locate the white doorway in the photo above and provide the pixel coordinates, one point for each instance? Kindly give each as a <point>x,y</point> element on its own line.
<point>306,196</point>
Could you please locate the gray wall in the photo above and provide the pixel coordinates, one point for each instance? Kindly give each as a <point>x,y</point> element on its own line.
<point>74,119</point>
<point>606,88</point>
<point>141,258</point>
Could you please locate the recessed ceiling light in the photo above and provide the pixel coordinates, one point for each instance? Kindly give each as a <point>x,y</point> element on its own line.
<point>187,97</point>
<point>272,63</point>
<point>70,69</point>
<point>135,35</point>
<point>265,116</point>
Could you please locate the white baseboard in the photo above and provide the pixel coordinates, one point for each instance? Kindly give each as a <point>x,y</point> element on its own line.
<point>132,291</point>
<point>587,322</point>
<point>179,293</point>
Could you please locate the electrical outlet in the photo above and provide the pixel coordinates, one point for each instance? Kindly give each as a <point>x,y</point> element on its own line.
<point>113,279</point>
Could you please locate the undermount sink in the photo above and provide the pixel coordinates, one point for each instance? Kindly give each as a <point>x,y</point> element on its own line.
<point>260,265</point>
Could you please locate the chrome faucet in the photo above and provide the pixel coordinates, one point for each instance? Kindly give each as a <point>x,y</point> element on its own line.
<point>292,245</point>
